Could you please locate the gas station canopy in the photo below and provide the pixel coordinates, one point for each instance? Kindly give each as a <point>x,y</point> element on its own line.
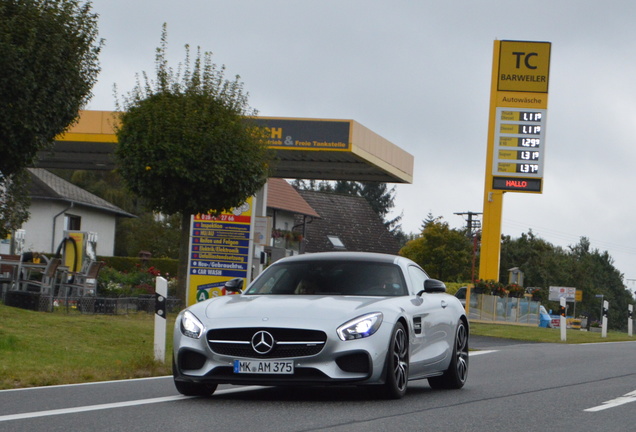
<point>305,148</point>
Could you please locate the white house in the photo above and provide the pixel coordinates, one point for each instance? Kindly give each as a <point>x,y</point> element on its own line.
<point>58,206</point>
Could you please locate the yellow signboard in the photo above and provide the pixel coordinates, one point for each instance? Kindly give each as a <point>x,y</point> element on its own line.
<point>524,66</point>
<point>516,136</point>
<point>219,251</point>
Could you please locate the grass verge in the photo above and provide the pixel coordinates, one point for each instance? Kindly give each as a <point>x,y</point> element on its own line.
<point>547,335</point>
<point>39,349</point>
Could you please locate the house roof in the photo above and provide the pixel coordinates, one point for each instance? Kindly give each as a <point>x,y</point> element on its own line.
<point>282,196</point>
<point>47,186</point>
<point>351,219</point>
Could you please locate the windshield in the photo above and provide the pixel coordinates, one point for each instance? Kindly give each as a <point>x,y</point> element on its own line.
<point>356,278</point>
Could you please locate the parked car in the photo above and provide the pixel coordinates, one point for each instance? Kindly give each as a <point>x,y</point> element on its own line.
<point>326,318</point>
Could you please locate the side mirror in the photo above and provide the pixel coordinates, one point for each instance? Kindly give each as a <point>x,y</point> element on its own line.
<point>433,286</point>
<point>234,285</point>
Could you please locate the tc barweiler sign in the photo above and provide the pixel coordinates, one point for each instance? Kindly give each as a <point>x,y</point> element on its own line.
<point>524,66</point>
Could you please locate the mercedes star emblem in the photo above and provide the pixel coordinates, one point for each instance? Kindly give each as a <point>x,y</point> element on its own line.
<point>262,342</point>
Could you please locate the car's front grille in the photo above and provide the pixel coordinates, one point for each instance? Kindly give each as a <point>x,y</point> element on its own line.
<point>237,342</point>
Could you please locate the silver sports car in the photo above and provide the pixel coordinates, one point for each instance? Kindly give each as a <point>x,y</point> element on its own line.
<point>344,318</point>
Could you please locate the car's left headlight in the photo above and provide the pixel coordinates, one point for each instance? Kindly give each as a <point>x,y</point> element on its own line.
<point>360,327</point>
<point>191,326</point>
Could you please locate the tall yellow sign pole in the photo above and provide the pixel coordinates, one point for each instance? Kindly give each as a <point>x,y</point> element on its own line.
<point>516,136</point>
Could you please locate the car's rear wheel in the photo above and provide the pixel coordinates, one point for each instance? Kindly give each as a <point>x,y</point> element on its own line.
<point>455,376</point>
<point>397,364</point>
<point>191,388</point>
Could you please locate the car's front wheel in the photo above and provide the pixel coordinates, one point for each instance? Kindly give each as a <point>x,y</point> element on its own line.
<point>455,376</point>
<point>397,364</point>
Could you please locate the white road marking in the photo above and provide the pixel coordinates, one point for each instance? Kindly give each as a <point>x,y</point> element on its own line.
<point>74,410</point>
<point>628,398</point>
<point>476,353</point>
<point>85,384</point>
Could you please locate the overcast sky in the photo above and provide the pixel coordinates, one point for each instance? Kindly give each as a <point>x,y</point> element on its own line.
<point>418,73</point>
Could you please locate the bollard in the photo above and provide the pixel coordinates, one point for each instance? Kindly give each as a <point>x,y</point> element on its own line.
<point>161,292</point>
<point>630,320</point>
<point>563,322</point>
<point>605,310</point>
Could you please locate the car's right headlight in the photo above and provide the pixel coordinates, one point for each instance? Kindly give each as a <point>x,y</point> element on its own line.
<point>360,327</point>
<point>191,326</point>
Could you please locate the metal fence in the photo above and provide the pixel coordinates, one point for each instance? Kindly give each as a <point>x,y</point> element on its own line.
<point>88,305</point>
<point>504,309</point>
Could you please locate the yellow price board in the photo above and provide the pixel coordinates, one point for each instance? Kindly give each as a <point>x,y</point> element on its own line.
<point>523,129</point>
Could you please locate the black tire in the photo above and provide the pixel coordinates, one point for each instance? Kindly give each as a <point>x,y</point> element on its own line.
<point>187,388</point>
<point>455,376</point>
<point>397,365</point>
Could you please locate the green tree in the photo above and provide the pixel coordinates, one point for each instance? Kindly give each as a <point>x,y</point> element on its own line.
<point>430,219</point>
<point>108,185</point>
<point>185,143</point>
<point>14,202</point>
<point>49,56</point>
<point>443,252</point>
<point>580,266</point>
<point>49,51</point>
<point>159,235</point>
<point>542,263</point>
<point>593,272</point>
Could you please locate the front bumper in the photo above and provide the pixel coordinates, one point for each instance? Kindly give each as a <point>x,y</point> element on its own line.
<point>338,362</point>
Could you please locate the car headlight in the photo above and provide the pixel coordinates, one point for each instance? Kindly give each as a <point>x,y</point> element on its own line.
<point>360,327</point>
<point>191,326</point>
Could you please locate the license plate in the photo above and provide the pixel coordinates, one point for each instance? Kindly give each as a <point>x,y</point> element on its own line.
<point>279,367</point>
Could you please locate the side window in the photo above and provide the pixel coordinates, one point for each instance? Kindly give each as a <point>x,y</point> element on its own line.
<point>417,278</point>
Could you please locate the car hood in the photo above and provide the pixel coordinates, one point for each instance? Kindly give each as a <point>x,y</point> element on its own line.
<point>280,310</point>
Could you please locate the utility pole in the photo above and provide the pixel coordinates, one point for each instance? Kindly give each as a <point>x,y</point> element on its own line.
<point>471,224</point>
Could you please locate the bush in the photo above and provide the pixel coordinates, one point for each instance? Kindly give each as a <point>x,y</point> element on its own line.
<point>135,282</point>
<point>166,266</point>
<point>495,288</point>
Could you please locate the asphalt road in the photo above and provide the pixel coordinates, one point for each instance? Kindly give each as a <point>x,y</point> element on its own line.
<point>512,386</point>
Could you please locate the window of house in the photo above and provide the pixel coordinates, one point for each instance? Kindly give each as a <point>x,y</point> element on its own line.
<point>73,223</point>
<point>336,242</point>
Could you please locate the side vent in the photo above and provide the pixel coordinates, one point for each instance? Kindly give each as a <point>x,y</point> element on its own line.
<point>417,325</point>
